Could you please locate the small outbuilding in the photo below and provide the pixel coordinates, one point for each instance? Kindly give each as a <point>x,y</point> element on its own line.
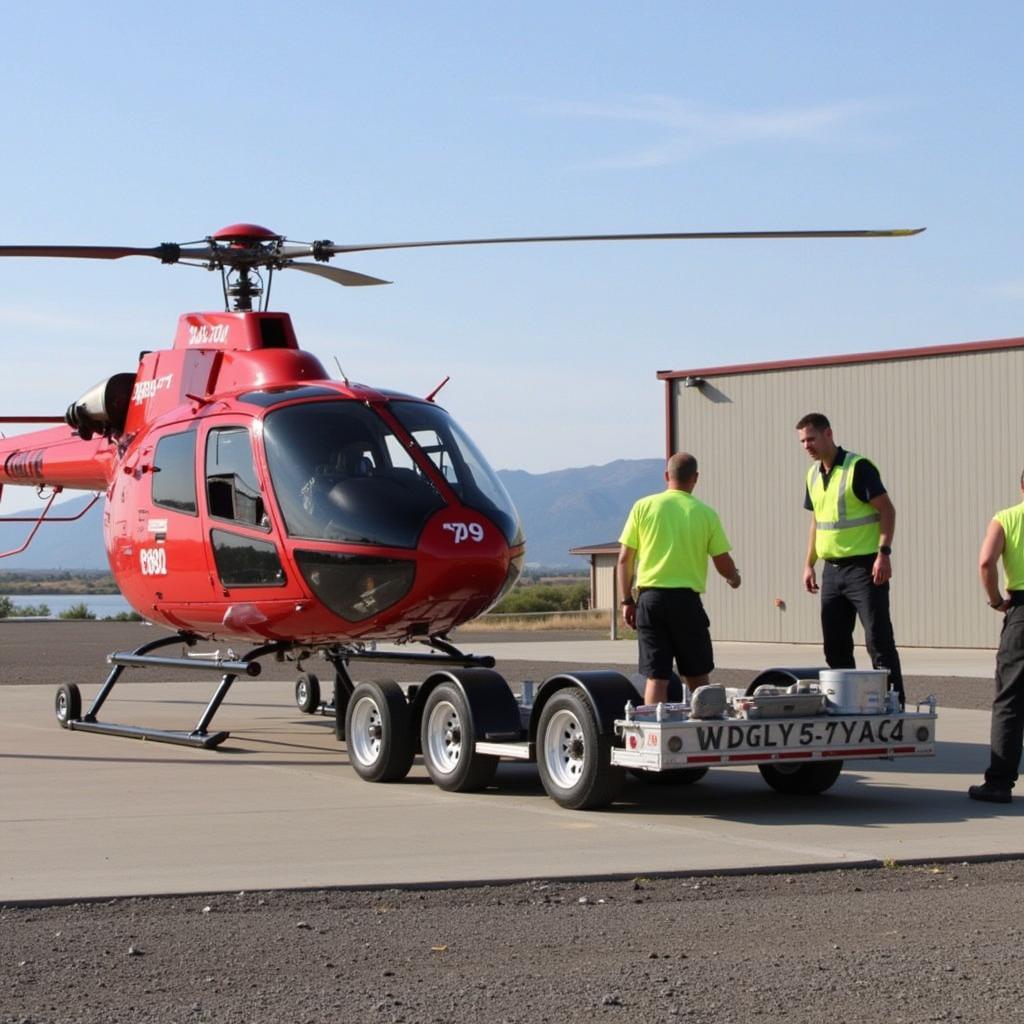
<point>603,558</point>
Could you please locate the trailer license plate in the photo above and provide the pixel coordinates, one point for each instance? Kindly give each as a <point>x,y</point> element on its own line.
<point>835,732</point>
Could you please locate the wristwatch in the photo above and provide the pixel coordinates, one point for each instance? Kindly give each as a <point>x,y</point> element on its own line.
<point>628,600</point>
<point>884,549</point>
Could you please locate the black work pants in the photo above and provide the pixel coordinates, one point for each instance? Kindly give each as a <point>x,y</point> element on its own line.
<point>1008,706</point>
<point>849,593</point>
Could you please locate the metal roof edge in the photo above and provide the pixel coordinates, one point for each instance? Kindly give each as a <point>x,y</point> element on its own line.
<point>888,355</point>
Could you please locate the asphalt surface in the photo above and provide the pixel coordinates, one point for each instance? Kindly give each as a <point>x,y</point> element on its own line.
<point>899,944</point>
<point>70,651</point>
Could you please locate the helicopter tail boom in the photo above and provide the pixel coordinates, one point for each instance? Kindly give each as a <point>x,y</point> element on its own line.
<point>57,457</point>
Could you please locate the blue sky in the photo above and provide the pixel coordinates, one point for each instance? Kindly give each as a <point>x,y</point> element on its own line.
<point>406,121</point>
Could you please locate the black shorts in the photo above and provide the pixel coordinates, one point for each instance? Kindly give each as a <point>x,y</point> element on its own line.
<point>671,624</point>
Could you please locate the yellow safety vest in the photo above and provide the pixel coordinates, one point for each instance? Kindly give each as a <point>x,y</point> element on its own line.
<point>844,525</point>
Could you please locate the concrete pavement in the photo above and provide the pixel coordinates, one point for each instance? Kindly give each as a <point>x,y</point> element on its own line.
<point>86,815</point>
<point>916,661</point>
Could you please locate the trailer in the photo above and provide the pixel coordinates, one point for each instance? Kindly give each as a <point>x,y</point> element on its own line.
<point>586,730</point>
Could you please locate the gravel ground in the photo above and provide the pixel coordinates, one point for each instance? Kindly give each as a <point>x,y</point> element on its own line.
<point>900,944</point>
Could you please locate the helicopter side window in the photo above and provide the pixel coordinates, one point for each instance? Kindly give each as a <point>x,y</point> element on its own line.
<point>232,489</point>
<point>435,449</point>
<point>174,472</point>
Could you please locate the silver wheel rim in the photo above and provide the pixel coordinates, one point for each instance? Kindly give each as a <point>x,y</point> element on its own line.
<point>367,731</point>
<point>303,691</point>
<point>564,752</point>
<point>444,737</point>
<point>62,706</point>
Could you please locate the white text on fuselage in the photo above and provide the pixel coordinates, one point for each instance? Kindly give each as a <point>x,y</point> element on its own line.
<point>207,334</point>
<point>145,389</point>
<point>466,531</point>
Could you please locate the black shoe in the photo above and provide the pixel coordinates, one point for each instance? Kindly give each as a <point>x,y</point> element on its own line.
<point>990,794</point>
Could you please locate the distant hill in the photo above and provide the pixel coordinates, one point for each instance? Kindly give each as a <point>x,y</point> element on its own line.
<point>77,545</point>
<point>560,510</point>
<point>569,508</point>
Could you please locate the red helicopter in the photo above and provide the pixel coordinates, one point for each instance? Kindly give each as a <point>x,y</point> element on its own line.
<point>248,496</point>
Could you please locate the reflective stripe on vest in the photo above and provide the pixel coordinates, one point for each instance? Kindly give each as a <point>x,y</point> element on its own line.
<point>855,528</point>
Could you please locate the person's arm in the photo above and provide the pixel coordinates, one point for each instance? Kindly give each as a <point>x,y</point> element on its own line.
<point>726,568</point>
<point>988,565</point>
<point>810,578</point>
<point>624,569</point>
<point>881,571</point>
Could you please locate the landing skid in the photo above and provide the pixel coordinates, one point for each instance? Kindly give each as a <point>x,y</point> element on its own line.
<point>68,703</point>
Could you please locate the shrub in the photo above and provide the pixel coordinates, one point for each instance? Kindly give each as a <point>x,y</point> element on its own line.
<point>78,611</point>
<point>123,617</point>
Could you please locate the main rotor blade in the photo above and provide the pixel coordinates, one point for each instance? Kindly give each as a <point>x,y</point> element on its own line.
<point>336,274</point>
<point>88,252</point>
<point>659,236</point>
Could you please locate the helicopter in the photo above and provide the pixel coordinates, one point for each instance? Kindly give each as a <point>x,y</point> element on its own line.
<point>248,496</point>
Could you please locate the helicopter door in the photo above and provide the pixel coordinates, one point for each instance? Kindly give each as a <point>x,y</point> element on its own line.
<point>169,546</point>
<point>244,551</point>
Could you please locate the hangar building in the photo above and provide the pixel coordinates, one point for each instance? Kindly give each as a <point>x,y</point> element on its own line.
<point>944,425</point>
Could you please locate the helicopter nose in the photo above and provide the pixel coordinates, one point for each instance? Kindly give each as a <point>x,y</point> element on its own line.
<point>465,553</point>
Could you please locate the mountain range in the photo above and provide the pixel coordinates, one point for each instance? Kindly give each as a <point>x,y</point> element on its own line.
<point>560,510</point>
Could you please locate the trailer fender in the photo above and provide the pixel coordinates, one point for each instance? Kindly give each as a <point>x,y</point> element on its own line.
<point>606,691</point>
<point>490,699</point>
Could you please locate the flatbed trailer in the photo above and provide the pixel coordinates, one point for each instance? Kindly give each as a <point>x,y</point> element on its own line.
<point>585,732</point>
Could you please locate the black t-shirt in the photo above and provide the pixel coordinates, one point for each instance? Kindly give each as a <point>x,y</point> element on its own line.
<point>867,482</point>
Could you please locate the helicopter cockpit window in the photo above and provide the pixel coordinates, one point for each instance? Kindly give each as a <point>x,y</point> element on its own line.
<point>174,472</point>
<point>339,473</point>
<point>460,462</point>
<point>232,489</point>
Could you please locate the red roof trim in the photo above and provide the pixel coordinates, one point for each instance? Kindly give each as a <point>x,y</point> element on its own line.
<point>845,360</point>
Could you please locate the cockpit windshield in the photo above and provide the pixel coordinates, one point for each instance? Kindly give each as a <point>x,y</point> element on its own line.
<point>460,462</point>
<point>340,473</point>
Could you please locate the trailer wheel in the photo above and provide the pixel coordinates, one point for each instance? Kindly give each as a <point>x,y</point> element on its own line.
<point>574,756</point>
<point>307,693</point>
<point>801,779</point>
<point>378,732</point>
<point>448,742</point>
<point>670,777</point>
<point>67,704</point>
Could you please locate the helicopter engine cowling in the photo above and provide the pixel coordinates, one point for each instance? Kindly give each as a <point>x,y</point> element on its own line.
<point>103,409</point>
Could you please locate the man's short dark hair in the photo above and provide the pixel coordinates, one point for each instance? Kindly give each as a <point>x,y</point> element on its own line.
<point>818,420</point>
<point>681,467</point>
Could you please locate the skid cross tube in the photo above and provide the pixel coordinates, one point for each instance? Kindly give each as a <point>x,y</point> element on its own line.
<point>197,737</point>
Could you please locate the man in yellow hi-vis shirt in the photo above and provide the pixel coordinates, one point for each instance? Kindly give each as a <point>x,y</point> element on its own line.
<point>668,538</point>
<point>1005,539</point>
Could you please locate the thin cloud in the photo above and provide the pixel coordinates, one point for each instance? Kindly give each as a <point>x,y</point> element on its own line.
<point>689,128</point>
<point>35,320</point>
<point>1013,290</point>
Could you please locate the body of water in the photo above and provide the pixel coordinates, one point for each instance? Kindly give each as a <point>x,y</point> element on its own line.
<point>101,605</point>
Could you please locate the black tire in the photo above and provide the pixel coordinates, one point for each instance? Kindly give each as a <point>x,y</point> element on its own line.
<point>670,777</point>
<point>448,743</point>
<point>67,704</point>
<point>801,779</point>
<point>307,693</point>
<point>574,755</point>
<point>379,732</point>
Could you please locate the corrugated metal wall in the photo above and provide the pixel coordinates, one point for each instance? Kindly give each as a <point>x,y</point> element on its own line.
<point>947,434</point>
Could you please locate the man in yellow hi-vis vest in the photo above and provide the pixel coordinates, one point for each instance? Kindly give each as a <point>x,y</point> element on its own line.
<point>1005,539</point>
<point>852,526</point>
